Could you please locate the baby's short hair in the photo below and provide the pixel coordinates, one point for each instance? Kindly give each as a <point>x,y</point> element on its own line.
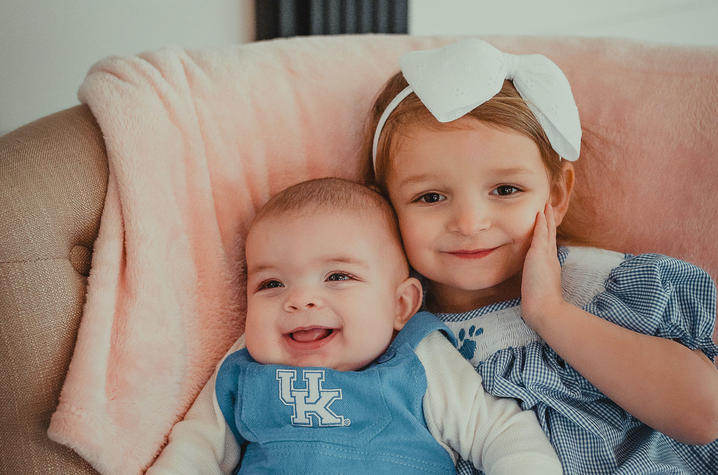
<point>329,194</point>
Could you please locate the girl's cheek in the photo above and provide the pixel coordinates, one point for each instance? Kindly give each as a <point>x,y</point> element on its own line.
<point>526,215</point>
<point>414,237</point>
<point>518,222</point>
<point>412,243</point>
<point>414,229</point>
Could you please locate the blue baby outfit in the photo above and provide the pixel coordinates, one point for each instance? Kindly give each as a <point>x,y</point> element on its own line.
<point>318,420</point>
<point>650,294</point>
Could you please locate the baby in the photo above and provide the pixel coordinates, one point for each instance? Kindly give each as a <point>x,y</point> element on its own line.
<point>339,374</point>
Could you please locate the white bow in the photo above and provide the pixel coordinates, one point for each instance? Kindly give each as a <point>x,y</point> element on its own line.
<point>453,80</point>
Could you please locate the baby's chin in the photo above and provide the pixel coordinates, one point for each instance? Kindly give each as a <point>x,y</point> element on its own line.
<point>323,363</point>
<point>314,361</point>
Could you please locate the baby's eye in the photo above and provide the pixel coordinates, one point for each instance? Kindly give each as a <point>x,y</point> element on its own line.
<point>505,190</point>
<point>431,198</point>
<point>337,276</point>
<point>270,284</point>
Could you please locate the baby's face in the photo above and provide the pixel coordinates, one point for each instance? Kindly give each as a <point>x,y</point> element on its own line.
<point>321,289</point>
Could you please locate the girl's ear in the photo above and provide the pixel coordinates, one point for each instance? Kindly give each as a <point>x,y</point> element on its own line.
<point>408,301</point>
<point>561,191</point>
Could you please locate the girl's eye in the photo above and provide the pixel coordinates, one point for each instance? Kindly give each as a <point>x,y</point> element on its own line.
<point>270,284</point>
<point>505,190</point>
<point>338,276</point>
<point>431,198</point>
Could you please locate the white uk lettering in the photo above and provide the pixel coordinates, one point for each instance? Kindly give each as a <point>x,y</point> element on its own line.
<point>312,400</point>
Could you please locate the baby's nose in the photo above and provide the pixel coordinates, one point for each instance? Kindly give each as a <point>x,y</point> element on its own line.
<point>301,299</point>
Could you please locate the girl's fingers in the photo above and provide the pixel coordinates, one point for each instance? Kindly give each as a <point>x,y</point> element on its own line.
<point>551,223</point>
<point>540,229</point>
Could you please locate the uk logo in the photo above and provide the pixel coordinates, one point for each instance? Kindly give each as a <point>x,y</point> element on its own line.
<point>311,400</point>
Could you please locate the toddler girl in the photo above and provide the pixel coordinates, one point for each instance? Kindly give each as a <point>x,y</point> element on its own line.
<point>613,352</point>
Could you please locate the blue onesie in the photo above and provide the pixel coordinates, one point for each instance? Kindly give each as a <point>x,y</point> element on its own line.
<point>318,420</point>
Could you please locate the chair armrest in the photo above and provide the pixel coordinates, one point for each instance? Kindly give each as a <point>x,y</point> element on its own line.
<point>53,178</point>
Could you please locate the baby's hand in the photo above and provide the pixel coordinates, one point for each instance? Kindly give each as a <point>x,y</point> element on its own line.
<point>541,280</point>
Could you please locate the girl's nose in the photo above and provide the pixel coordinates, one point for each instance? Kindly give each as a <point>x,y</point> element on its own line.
<point>470,218</point>
<point>299,299</point>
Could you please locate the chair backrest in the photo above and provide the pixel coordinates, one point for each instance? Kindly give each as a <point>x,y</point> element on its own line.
<point>649,113</point>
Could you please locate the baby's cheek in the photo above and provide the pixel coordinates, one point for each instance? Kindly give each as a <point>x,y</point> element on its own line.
<point>256,337</point>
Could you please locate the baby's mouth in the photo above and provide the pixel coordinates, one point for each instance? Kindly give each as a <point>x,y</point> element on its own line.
<point>310,334</point>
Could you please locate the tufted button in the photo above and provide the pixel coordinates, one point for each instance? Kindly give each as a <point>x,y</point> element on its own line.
<point>80,258</point>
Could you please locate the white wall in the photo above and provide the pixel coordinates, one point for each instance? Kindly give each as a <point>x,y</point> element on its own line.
<point>47,46</point>
<point>667,21</point>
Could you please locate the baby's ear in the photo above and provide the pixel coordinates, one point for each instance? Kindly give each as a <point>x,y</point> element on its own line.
<point>408,301</point>
<point>561,191</point>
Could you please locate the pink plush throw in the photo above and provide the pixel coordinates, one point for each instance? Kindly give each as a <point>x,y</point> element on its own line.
<point>198,140</point>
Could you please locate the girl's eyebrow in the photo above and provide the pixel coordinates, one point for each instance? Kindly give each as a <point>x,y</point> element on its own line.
<point>412,179</point>
<point>513,171</point>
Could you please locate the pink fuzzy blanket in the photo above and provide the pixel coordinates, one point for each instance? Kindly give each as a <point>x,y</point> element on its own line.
<point>198,140</point>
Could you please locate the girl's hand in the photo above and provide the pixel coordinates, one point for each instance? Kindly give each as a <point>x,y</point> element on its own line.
<point>541,279</point>
<point>683,383</point>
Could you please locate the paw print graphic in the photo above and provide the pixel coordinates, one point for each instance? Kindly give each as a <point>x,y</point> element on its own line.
<point>467,346</point>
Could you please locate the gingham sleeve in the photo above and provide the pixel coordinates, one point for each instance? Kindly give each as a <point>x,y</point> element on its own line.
<point>661,296</point>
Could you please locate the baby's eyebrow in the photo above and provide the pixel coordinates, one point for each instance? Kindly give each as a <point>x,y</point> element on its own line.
<point>342,259</point>
<point>259,268</point>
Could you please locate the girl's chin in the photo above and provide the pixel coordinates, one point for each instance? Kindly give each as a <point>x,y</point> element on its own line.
<point>468,294</point>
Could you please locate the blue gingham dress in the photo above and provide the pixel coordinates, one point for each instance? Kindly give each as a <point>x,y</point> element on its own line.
<point>650,294</point>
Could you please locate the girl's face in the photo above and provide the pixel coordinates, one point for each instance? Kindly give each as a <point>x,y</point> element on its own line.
<point>467,199</point>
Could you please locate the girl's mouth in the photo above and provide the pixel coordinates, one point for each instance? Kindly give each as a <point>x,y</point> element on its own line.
<point>472,253</point>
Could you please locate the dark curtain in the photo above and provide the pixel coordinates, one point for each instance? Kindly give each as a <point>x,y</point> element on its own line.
<point>282,18</point>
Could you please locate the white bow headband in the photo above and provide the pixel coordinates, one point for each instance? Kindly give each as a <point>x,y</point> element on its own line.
<point>453,80</point>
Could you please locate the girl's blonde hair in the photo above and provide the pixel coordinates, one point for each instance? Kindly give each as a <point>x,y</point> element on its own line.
<point>505,109</point>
